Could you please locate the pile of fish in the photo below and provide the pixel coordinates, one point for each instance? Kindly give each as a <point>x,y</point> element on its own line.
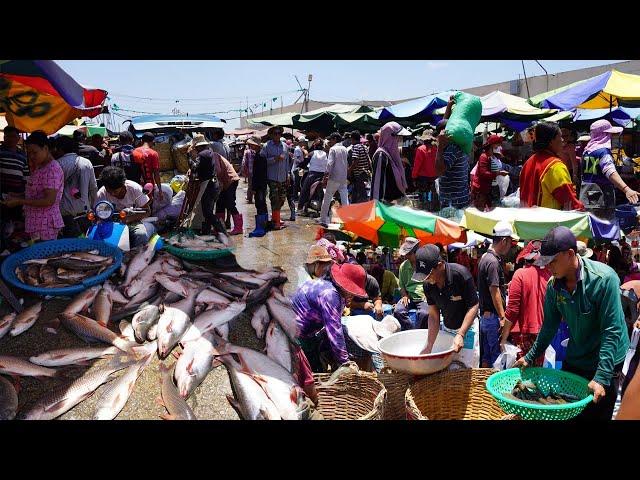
<point>528,391</point>
<point>200,242</point>
<point>62,270</point>
<point>169,303</point>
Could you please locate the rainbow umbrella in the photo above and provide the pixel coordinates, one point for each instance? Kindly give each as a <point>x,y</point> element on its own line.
<point>387,225</point>
<point>39,95</point>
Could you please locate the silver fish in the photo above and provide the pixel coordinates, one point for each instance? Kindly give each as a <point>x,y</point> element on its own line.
<point>21,367</point>
<point>210,319</point>
<point>144,279</point>
<point>244,279</point>
<point>228,287</point>
<point>88,328</point>
<point>102,306</point>
<point>194,364</point>
<point>6,322</point>
<point>345,369</point>
<point>213,296</point>
<point>115,294</point>
<point>71,356</point>
<point>283,313</point>
<point>152,333</point>
<point>251,402</point>
<point>144,320</point>
<point>82,300</point>
<point>260,320</point>
<point>278,346</point>
<point>147,293</point>
<point>8,400</point>
<point>139,263</point>
<point>63,398</point>
<point>126,330</point>
<point>171,399</point>
<point>25,319</point>
<point>117,393</point>
<point>276,381</point>
<point>172,325</point>
<point>174,285</point>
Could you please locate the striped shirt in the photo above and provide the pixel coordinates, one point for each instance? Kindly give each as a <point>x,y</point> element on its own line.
<point>360,159</point>
<point>14,171</point>
<point>454,182</point>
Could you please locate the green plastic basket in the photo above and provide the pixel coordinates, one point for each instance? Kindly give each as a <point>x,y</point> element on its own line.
<point>196,254</point>
<point>545,379</point>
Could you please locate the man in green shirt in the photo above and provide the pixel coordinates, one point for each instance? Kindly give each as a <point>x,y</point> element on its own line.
<point>411,291</point>
<point>586,294</point>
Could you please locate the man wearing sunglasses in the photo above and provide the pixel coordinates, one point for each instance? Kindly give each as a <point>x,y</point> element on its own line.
<point>449,289</point>
<point>492,292</point>
<point>586,294</point>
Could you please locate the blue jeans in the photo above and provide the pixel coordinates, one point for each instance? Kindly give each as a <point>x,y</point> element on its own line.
<point>489,339</point>
<point>402,314</point>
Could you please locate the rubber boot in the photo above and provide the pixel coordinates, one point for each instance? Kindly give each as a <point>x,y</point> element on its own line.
<point>237,225</point>
<point>275,218</point>
<point>259,231</point>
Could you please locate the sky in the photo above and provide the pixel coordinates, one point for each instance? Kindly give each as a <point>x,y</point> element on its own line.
<point>222,86</point>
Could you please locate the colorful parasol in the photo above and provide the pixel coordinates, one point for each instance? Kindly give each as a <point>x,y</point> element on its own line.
<point>534,223</point>
<point>387,225</point>
<point>39,95</point>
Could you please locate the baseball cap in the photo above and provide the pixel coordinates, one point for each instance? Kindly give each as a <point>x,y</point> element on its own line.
<point>409,244</point>
<point>558,240</point>
<point>427,258</point>
<point>504,229</point>
<point>493,140</point>
<point>603,126</point>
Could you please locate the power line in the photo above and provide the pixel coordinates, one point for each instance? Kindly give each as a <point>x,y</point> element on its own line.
<point>159,99</point>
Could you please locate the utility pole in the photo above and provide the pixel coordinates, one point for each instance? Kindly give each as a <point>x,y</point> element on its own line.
<point>525,79</point>
<point>307,92</point>
<point>546,73</point>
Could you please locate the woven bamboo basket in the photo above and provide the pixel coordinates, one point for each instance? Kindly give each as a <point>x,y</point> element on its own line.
<point>396,384</point>
<point>164,152</point>
<point>180,159</point>
<point>453,395</point>
<point>355,396</point>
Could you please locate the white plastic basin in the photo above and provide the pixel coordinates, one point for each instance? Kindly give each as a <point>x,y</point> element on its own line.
<point>401,351</point>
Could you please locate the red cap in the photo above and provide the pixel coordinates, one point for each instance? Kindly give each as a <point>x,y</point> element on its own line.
<point>493,140</point>
<point>351,278</point>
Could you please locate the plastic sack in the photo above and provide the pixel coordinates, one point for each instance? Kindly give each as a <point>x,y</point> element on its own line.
<point>503,184</point>
<point>633,345</point>
<point>549,358</point>
<point>470,353</point>
<point>464,119</point>
<point>507,358</point>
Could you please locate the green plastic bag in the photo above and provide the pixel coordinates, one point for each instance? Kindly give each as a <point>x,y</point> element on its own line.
<point>464,119</point>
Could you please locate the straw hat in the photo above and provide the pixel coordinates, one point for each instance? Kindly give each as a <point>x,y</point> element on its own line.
<point>427,135</point>
<point>254,140</point>
<point>583,251</point>
<point>318,253</point>
<point>199,140</point>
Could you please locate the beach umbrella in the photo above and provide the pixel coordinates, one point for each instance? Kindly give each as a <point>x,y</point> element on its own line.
<point>387,225</point>
<point>39,95</point>
<point>534,223</point>
<point>608,90</point>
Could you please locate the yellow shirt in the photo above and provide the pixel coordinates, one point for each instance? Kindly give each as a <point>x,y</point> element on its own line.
<point>555,176</point>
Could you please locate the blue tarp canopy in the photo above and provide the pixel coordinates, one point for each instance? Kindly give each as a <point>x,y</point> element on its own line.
<point>420,107</point>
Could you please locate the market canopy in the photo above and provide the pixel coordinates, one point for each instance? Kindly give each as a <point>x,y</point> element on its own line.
<point>607,90</point>
<point>39,95</point>
<point>387,225</point>
<point>537,100</point>
<point>534,223</point>
<point>180,122</point>
<point>320,119</point>
<point>364,121</point>
<point>420,107</point>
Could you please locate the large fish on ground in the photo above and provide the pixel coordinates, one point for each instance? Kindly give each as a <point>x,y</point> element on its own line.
<point>210,319</point>
<point>117,393</point>
<point>88,328</point>
<point>260,320</point>
<point>278,346</point>
<point>140,262</point>
<point>213,296</point>
<point>282,312</point>
<point>6,322</point>
<point>149,292</point>
<point>71,356</point>
<point>175,285</point>
<point>8,400</point>
<point>102,306</point>
<point>82,301</point>
<point>172,325</point>
<point>21,367</point>
<point>244,279</point>
<point>115,294</point>
<point>194,364</point>
<point>276,381</point>
<point>25,319</point>
<point>63,398</point>
<point>171,399</point>
<point>251,402</point>
<point>144,320</point>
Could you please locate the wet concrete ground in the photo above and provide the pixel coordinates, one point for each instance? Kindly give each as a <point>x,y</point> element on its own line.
<point>286,248</point>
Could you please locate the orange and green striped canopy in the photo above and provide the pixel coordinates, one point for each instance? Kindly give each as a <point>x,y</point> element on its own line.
<point>388,225</point>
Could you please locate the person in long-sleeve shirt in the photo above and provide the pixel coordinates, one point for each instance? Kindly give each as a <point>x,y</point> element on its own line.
<point>586,294</point>
<point>424,171</point>
<point>481,184</point>
<point>335,178</point>
<point>278,166</point>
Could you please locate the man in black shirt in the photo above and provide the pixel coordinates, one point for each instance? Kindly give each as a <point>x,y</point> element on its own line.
<point>374,297</point>
<point>492,292</point>
<point>449,289</point>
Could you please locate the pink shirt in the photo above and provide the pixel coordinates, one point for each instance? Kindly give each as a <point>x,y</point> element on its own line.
<point>44,222</point>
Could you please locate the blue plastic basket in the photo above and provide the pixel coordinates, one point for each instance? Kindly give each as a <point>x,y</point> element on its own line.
<point>53,247</point>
